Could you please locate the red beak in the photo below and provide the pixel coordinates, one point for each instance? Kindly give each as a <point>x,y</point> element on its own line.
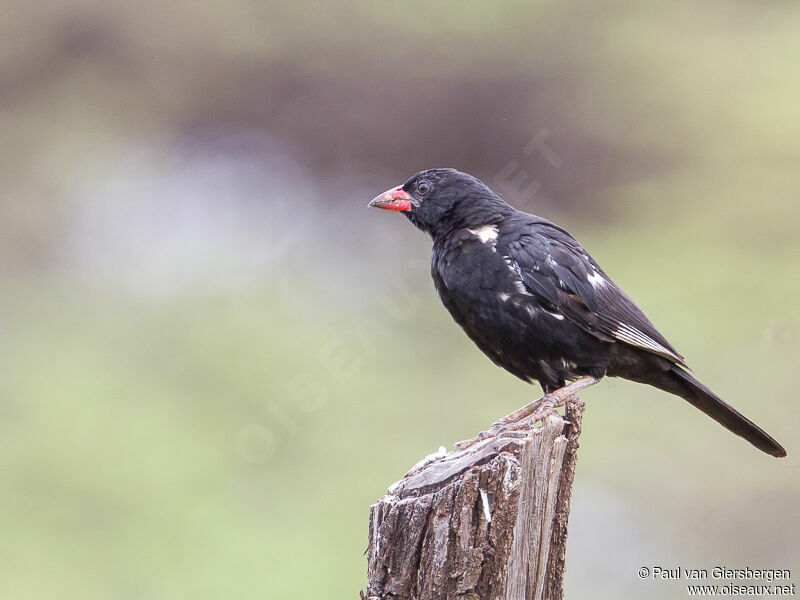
<point>394,199</point>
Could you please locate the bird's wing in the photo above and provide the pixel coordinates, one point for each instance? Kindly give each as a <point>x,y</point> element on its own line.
<point>556,268</point>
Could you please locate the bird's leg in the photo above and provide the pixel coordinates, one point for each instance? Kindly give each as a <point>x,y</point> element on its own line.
<point>541,407</point>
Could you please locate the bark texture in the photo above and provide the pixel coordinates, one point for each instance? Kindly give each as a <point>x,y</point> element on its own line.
<point>487,522</point>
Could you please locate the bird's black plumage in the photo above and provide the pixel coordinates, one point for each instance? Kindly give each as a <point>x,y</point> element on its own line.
<point>536,303</point>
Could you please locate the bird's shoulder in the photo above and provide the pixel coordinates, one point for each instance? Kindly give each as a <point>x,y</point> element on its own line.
<point>468,262</point>
<point>466,244</point>
<point>524,232</point>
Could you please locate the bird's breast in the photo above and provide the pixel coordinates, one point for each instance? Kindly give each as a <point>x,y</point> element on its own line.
<point>472,267</point>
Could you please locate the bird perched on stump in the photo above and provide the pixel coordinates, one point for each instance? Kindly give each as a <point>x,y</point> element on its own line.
<point>537,304</point>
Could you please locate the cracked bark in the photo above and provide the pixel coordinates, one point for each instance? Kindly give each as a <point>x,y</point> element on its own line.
<point>488,522</point>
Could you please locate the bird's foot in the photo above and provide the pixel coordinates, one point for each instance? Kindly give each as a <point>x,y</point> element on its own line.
<point>518,416</point>
<point>511,424</point>
<point>525,417</point>
<point>560,396</point>
<point>511,430</point>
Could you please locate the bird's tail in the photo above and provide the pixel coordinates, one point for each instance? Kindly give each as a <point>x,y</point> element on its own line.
<point>681,383</point>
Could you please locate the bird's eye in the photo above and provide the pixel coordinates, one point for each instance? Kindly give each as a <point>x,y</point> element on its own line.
<point>423,187</point>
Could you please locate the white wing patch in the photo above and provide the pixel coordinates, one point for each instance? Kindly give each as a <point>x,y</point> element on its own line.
<point>596,280</point>
<point>486,234</point>
<point>633,336</point>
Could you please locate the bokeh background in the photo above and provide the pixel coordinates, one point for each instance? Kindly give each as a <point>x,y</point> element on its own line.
<point>213,359</point>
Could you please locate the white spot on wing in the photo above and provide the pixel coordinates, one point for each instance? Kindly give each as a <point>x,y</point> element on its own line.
<point>596,280</point>
<point>486,234</point>
<point>503,296</point>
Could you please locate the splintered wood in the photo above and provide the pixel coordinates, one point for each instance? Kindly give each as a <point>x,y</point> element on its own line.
<point>487,522</point>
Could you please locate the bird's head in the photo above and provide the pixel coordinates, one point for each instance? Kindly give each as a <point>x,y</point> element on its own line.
<point>440,200</point>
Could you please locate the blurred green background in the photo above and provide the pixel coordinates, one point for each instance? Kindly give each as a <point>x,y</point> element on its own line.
<point>213,359</point>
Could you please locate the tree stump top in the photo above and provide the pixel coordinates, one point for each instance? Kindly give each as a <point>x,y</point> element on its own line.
<point>488,521</point>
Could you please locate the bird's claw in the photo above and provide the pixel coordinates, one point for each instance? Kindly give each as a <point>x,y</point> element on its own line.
<point>498,427</point>
<point>547,408</point>
<point>506,427</point>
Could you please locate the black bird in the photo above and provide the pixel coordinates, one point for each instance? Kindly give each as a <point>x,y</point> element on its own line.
<point>537,304</point>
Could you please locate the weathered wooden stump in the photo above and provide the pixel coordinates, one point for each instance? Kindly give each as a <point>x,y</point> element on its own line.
<point>486,522</point>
